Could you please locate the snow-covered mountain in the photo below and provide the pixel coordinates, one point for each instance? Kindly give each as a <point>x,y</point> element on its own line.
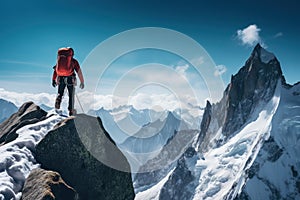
<point>274,173</point>
<point>6,109</point>
<point>149,141</point>
<point>126,121</point>
<point>153,136</point>
<point>248,146</point>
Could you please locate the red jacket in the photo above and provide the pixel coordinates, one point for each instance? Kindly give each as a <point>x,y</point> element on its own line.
<point>69,72</point>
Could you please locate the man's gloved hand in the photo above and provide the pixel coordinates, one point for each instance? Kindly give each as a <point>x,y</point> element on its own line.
<point>81,86</point>
<point>54,83</point>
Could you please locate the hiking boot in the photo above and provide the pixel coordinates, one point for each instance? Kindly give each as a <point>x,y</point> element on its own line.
<point>72,112</point>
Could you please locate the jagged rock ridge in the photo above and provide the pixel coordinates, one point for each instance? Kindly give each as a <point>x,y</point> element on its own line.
<point>254,82</point>
<point>29,113</point>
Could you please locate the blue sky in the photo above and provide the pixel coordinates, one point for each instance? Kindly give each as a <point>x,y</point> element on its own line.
<point>32,31</point>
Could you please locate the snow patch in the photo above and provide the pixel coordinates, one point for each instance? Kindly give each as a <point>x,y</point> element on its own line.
<point>17,158</point>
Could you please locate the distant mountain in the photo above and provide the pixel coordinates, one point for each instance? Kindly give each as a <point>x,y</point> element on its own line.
<point>126,121</point>
<point>248,146</point>
<point>153,136</point>
<point>46,108</point>
<point>6,109</point>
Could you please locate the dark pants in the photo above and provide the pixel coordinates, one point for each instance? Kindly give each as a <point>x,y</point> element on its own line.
<point>63,82</point>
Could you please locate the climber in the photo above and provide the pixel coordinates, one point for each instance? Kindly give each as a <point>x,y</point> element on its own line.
<point>64,76</point>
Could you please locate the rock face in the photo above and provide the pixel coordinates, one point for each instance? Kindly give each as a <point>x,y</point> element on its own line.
<point>177,185</point>
<point>254,82</point>
<point>249,91</point>
<point>42,184</point>
<point>28,113</point>
<point>205,123</point>
<point>155,169</point>
<point>63,150</point>
<point>252,87</point>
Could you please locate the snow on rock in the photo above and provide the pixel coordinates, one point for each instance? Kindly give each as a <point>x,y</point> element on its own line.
<point>17,160</point>
<point>225,166</point>
<point>223,172</point>
<point>154,192</point>
<point>275,172</point>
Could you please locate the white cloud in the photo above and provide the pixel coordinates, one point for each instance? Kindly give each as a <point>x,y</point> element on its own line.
<point>279,34</point>
<point>92,101</point>
<point>249,35</point>
<point>182,69</point>
<point>198,61</point>
<point>20,98</point>
<point>220,69</point>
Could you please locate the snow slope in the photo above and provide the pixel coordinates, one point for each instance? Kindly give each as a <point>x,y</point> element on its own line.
<point>17,160</point>
<point>275,172</point>
<point>154,192</point>
<point>223,172</point>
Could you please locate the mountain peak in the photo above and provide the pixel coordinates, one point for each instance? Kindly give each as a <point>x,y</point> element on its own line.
<point>262,54</point>
<point>256,81</point>
<point>257,46</point>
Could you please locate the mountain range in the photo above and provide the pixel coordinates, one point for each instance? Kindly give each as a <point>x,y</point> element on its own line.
<point>246,146</point>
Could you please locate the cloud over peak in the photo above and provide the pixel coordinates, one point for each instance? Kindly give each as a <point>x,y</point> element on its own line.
<point>220,69</point>
<point>249,35</point>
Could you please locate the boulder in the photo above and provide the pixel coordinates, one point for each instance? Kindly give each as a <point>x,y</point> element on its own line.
<point>87,158</point>
<point>47,185</point>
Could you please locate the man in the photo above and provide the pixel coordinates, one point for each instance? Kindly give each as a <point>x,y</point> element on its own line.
<point>64,76</point>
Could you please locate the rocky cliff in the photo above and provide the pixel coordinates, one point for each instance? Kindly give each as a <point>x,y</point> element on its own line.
<point>48,156</point>
<point>63,150</point>
<point>255,82</point>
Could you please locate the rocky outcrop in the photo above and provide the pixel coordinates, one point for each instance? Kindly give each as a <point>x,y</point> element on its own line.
<point>177,185</point>
<point>255,82</point>
<point>47,185</point>
<point>204,123</point>
<point>28,113</point>
<point>253,86</point>
<point>83,153</point>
